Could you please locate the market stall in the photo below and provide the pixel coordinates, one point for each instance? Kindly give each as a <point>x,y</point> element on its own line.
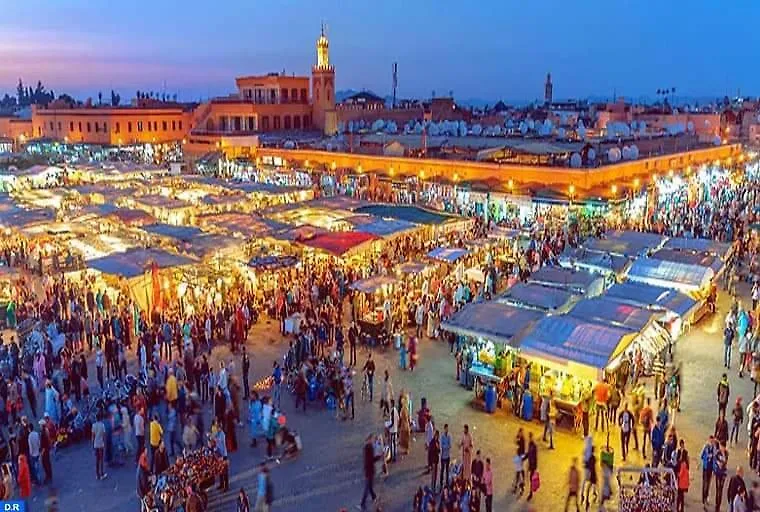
<point>630,244</point>
<point>611,266</point>
<point>369,304</point>
<point>486,331</point>
<point>679,309</point>
<point>448,254</point>
<point>701,259</point>
<point>383,228</point>
<point>694,280</point>
<point>342,245</point>
<point>166,209</point>
<point>575,281</point>
<point>722,250</point>
<point>539,297</point>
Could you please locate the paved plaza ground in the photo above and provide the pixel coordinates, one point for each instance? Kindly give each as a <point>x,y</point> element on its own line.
<point>328,474</point>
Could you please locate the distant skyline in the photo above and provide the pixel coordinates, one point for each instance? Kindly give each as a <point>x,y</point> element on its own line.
<point>488,50</point>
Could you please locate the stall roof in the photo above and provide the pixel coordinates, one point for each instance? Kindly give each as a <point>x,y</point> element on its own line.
<point>537,296</point>
<point>568,279</point>
<point>222,199</point>
<point>670,274</point>
<point>372,284</point>
<point>251,187</point>
<point>250,226</point>
<point>337,203</point>
<point>132,216</point>
<point>491,320</point>
<point>700,259</point>
<point>413,214</point>
<point>272,262</point>
<point>181,233</point>
<point>386,228</point>
<point>448,254</point>
<point>612,312</point>
<point>299,233</point>
<point>563,338</point>
<point>626,243</point>
<point>719,249</point>
<point>19,218</point>
<point>501,232</point>
<point>594,260</point>
<point>159,201</point>
<point>207,244</point>
<point>339,243</point>
<point>652,297</point>
<point>135,262</point>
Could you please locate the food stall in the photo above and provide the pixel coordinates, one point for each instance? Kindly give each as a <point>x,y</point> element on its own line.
<point>167,209</point>
<point>369,301</point>
<point>576,281</point>
<point>722,250</point>
<point>611,266</point>
<point>199,468</point>
<point>698,258</point>
<point>630,244</point>
<point>486,331</point>
<point>694,280</point>
<point>9,292</point>
<point>567,356</point>
<point>679,310</point>
<point>538,297</point>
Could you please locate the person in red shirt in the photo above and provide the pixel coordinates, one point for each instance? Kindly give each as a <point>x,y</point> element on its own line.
<point>601,396</point>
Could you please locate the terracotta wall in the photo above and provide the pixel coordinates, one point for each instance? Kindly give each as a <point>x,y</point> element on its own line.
<point>13,127</point>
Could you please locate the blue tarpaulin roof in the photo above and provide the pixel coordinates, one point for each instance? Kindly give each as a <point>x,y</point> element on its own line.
<point>670,274</point>
<point>720,249</point>
<point>181,233</point>
<point>18,218</point>
<point>387,227</point>
<point>272,262</point>
<point>625,243</point>
<point>448,254</point>
<point>491,320</point>
<point>408,213</point>
<point>566,278</point>
<point>594,260</point>
<point>536,296</point>
<point>652,296</point>
<point>612,312</point>
<point>135,262</point>
<point>692,258</point>
<point>564,338</point>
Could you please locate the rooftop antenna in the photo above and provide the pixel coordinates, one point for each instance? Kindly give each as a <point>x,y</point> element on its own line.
<point>395,82</point>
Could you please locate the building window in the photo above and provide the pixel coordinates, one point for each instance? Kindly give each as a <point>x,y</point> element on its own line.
<point>174,126</point>
<point>276,122</point>
<point>287,122</point>
<point>129,126</point>
<point>304,97</point>
<point>89,129</point>
<point>296,122</point>
<point>272,96</point>
<point>59,126</point>
<point>97,127</point>
<point>265,123</point>
<point>118,128</point>
<point>51,126</point>
<point>306,122</point>
<point>251,124</point>
<point>180,126</point>
<point>105,127</point>
<point>163,125</point>
<point>328,94</point>
<point>80,127</point>
<point>139,126</point>
<point>284,96</point>
<point>294,95</point>
<point>238,122</point>
<point>71,126</point>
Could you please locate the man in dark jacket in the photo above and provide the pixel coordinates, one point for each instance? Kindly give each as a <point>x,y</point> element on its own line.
<point>723,392</point>
<point>369,470</point>
<point>721,429</point>
<point>736,486</point>
<point>532,457</point>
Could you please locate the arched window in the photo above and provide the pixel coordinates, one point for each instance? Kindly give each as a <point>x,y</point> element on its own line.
<point>287,122</point>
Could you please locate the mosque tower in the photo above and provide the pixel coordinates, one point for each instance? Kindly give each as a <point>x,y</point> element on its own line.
<point>323,88</point>
<point>548,89</point>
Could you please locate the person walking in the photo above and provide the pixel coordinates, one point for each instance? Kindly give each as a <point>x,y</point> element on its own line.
<point>246,367</point>
<point>277,384</point>
<point>683,485</point>
<point>728,339</point>
<point>369,471</point>
<point>720,468</point>
<point>738,416</point>
<point>592,479</point>
<point>488,485</point>
<point>139,428</point>
<point>445,441</point>
<point>263,486</point>
<point>434,454</point>
<point>646,418</point>
<point>721,429</point>
<point>369,371</point>
<point>99,445</point>
<point>573,483</point>
<point>392,425</point>
<point>243,504</point>
<point>532,457</point>
<point>707,457</point>
<point>467,445</point>
<point>156,435</point>
<point>625,420</point>
<point>723,392</point>
<point>736,486</point>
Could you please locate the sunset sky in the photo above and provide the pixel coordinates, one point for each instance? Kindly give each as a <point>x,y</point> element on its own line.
<point>485,49</point>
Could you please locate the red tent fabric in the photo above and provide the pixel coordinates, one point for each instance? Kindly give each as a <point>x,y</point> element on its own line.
<point>339,243</point>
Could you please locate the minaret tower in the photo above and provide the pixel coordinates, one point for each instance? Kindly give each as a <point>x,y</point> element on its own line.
<point>548,89</point>
<point>323,88</point>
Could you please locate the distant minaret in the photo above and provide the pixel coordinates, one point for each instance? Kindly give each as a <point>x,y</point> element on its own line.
<point>548,89</point>
<point>323,88</point>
